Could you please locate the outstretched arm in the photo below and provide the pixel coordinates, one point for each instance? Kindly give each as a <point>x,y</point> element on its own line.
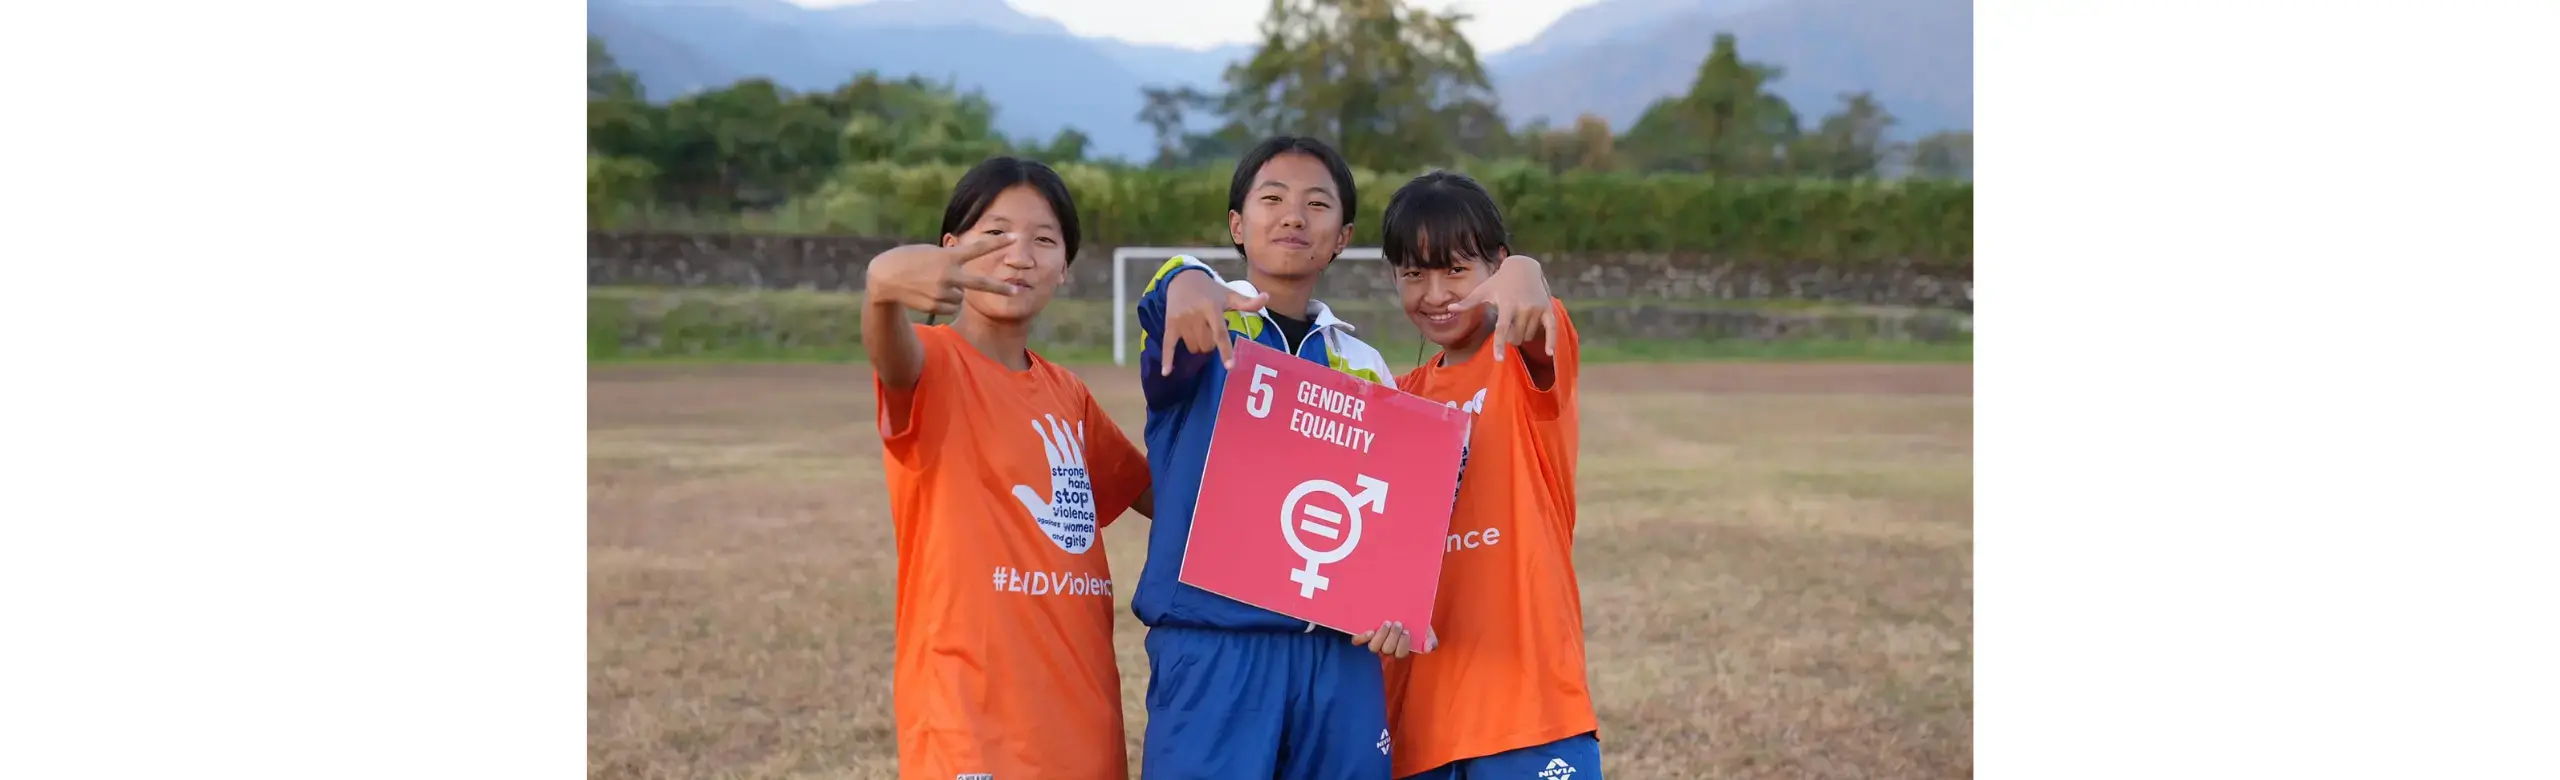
<point>922,277</point>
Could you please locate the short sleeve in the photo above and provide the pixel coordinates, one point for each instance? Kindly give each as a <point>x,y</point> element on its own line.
<point>1119,469</point>
<point>902,436</point>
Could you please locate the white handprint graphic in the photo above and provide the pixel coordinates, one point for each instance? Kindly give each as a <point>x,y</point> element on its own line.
<point>1067,514</point>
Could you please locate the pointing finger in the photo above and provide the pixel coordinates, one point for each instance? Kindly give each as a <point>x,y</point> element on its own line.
<point>1171,340</point>
<point>1226,346</point>
<point>1549,320</point>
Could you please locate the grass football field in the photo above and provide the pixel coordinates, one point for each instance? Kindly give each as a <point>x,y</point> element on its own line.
<point>1776,563</point>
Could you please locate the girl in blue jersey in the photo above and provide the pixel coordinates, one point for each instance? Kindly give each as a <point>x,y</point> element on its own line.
<point>1238,690</point>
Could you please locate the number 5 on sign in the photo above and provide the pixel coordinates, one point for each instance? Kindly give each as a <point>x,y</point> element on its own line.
<point>1360,477</point>
<point>1258,400</point>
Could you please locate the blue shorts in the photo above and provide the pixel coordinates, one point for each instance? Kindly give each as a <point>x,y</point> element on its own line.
<point>1263,704</point>
<point>1572,758</point>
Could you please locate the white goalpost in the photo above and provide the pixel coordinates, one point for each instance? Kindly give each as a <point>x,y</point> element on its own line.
<point>1122,298</point>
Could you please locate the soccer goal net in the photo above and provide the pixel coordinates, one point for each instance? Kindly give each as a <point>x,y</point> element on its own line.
<point>1126,283</point>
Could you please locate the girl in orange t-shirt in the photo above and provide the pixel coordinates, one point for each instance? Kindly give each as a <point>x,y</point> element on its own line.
<point>1505,694</point>
<point>1002,472</point>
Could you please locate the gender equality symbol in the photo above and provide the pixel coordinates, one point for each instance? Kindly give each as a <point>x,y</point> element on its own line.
<point>1326,523</point>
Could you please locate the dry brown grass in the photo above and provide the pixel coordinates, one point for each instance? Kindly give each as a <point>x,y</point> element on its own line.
<point>1776,562</point>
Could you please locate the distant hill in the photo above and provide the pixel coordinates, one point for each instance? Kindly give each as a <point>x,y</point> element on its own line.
<point>1611,58</point>
<point>1615,57</point>
<point>1610,20</point>
<point>1041,77</point>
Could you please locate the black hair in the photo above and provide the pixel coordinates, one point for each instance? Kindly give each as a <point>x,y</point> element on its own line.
<point>1263,153</point>
<point>979,187</point>
<point>1439,217</point>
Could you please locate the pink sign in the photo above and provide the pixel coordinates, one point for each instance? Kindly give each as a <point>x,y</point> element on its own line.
<point>1326,497</point>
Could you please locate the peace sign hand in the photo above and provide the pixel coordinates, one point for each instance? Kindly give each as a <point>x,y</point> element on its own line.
<point>931,278</point>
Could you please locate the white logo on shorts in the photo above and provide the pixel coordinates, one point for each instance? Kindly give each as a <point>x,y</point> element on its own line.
<point>1556,769</point>
<point>1383,742</point>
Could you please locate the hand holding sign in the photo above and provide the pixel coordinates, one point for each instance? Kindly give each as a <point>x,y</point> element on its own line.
<point>1393,639</point>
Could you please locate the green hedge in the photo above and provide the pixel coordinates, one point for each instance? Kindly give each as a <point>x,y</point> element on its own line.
<point>639,323</point>
<point>616,184</point>
<point>1921,221</point>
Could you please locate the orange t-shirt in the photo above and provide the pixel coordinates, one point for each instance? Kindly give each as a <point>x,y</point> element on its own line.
<point>1508,672</point>
<point>1005,664</point>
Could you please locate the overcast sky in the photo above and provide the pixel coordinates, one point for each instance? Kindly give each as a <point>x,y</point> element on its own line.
<point>1499,24</point>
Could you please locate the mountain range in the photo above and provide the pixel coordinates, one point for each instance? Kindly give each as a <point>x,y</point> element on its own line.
<point>1611,58</point>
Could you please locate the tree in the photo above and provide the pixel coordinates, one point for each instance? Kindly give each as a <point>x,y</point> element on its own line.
<point>1728,124</point>
<point>1169,110</point>
<point>1587,145</point>
<point>910,120</point>
<point>1477,131</point>
<point>1849,144</point>
<point>753,143</point>
<point>1392,86</point>
<point>1595,149</point>
<point>1068,146</point>
<point>615,183</point>
<point>606,80</point>
<point>621,137</point>
<point>1945,155</point>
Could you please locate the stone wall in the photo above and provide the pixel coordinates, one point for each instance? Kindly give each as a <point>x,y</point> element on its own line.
<point>616,259</point>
